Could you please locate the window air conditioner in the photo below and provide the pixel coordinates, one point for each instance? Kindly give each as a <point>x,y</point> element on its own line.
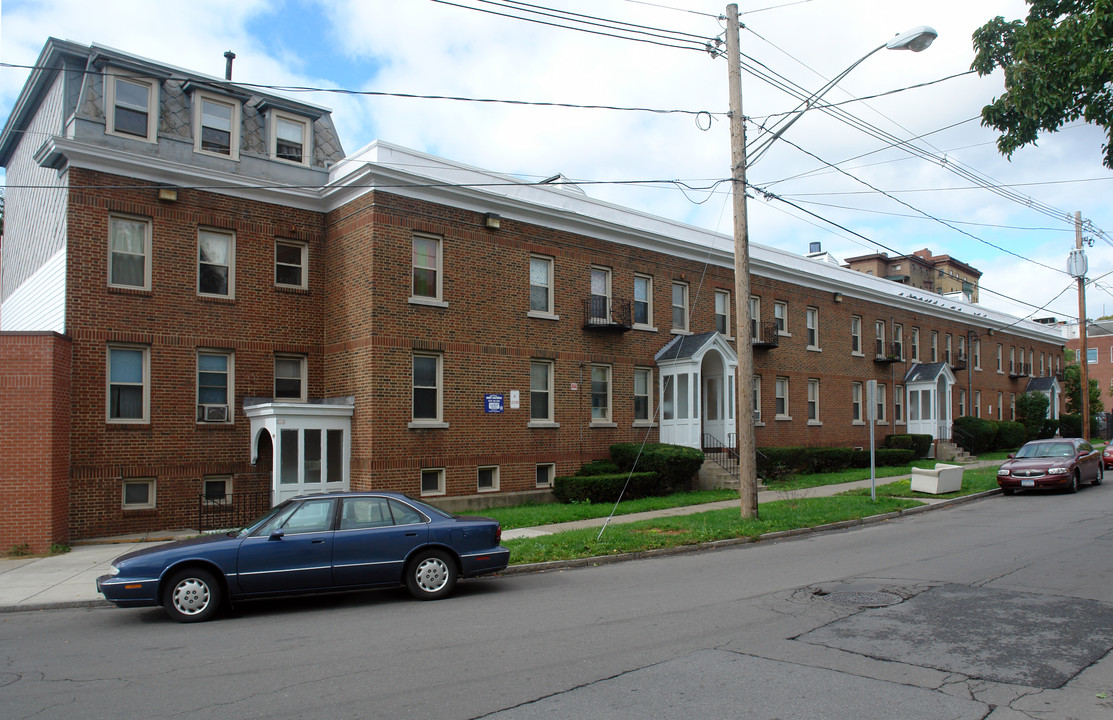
<point>212,413</point>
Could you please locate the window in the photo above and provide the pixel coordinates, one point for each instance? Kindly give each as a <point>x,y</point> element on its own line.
<point>782,399</point>
<point>880,403</point>
<point>130,106</point>
<point>1012,360</point>
<point>487,479</point>
<point>643,301</point>
<point>757,399</point>
<point>780,316</point>
<point>544,474</point>
<point>129,252</point>
<point>600,294</point>
<point>541,391</point>
<point>1000,361</point>
<point>427,262</point>
<point>540,285</point>
<point>813,400</point>
<point>1000,400</point>
<point>216,252</point>
<point>216,488</point>
<point>898,341</point>
<point>289,377</point>
<point>426,388</point>
<point>812,317</point>
<point>600,393</point>
<point>934,346</point>
<point>1012,406</point>
<point>291,264</point>
<point>138,493</point>
<point>856,402</point>
<point>977,403</point>
<point>643,388</point>
<point>879,333</point>
<point>214,385</point>
<point>289,138</point>
<point>679,307</point>
<point>961,347</point>
<point>855,335</point>
<point>128,389</point>
<point>915,345</point>
<point>898,403</point>
<point>947,348</point>
<point>976,349</point>
<point>1091,356</point>
<point>961,403</point>
<point>1042,370</point>
<point>432,482</point>
<point>217,125</point>
<point>755,317</point>
<point>722,312</point>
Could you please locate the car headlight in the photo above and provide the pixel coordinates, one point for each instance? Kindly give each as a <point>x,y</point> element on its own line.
<point>1002,471</point>
<point>1058,471</point>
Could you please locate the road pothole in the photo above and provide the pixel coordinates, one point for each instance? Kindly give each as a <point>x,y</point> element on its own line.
<point>862,599</point>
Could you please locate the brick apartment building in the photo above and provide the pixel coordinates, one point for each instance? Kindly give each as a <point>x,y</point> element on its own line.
<point>1099,355</point>
<point>202,295</point>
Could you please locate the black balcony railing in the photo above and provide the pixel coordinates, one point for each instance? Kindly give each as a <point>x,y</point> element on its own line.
<point>958,361</point>
<point>1019,370</point>
<point>888,352</point>
<point>234,510</point>
<point>766,336</point>
<point>607,314</point>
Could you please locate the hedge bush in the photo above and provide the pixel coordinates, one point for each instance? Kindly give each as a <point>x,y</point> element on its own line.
<point>599,467</point>
<point>775,462</point>
<point>676,466</point>
<point>918,442</point>
<point>1048,429</point>
<point>828,459</point>
<point>1010,435</point>
<point>604,488</point>
<point>975,436</point>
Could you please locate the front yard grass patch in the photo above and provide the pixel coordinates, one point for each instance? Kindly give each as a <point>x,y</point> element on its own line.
<point>807,480</point>
<point>699,528</point>
<point>974,480</point>
<point>519,516</point>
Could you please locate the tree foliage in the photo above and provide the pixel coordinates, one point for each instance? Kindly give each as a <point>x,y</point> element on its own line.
<point>1072,383</point>
<point>1031,409</point>
<point>1058,66</point>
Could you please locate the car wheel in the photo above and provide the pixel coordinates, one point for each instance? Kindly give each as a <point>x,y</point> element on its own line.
<point>1007,491</point>
<point>192,595</point>
<point>431,575</point>
<point>1073,487</point>
<point>1100,476</point>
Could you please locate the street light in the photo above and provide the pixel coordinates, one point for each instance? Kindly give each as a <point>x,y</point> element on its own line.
<point>915,40</point>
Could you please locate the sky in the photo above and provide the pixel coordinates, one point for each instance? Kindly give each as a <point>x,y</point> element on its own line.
<point>824,181</point>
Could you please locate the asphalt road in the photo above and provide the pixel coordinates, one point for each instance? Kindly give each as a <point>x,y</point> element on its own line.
<point>1005,612</point>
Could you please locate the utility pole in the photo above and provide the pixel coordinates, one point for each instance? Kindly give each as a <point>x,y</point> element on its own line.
<point>744,387</point>
<point>1084,373</point>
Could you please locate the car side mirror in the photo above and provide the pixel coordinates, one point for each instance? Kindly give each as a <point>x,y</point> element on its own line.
<point>276,535</point>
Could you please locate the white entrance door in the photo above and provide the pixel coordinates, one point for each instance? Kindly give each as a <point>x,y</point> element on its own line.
<point>310,460</point>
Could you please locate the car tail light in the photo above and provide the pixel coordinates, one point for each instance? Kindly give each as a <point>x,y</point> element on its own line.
<point>498,534</point>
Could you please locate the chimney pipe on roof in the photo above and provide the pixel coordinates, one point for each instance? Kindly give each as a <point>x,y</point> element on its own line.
<point>229,56</point>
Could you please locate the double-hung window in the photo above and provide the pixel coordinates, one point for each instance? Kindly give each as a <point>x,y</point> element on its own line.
<point>915,345</point>
<point>216,264</point>
<point>757,399</point>
<point>898,403</point>
<point>601,393</point>
<point>427,268</point>
<point>129,390</point>
<point>782,399</point>
<point>898,341</point>
<point>976,350</point>
<point>722,312</point>
<point>880,403</point>
<point>879,333</point>
<point>129,252</point>
<point>600,309</point>
<point>541,391</point>
<point>214,386</point>
<point>856,403</point>
<point>289,378</point>
<point>755,317</point>
<point>643,301</point>
<point>780,315</point>
<point>131,106</point>
<point>813,400</point>
<point>291,264</point>
<point>934,346</point>
<point>855,335</point>
<point>217,125</point>
<point>427,402</point>
<point>540,285</point>
<point>643,389</point>
<point>680,307</point>
<point>812,322</point>
<point>290,138</point>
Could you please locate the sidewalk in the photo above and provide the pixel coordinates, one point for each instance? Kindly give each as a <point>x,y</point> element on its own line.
<point>69,580</point>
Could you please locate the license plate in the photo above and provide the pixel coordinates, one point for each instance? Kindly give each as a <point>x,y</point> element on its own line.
<point>1027,483</point>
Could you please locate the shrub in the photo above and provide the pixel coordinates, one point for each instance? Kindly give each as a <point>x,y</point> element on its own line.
<point>921,444</point>
<point>773,460</point>
<point>901,442</point>
<point>859,458</point>
<point>599,467</point>
<point>1048,429</point>
<point>885,457</point>
<point>828,459</point>
<point>1010,435</point>
<point>1031,410</point>
<point>675,465</point>
<point>603,488</point>
<point>1070,426</point>
<point>975,435</point>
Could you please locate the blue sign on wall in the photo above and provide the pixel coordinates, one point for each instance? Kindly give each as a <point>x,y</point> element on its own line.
<point>492,403</point>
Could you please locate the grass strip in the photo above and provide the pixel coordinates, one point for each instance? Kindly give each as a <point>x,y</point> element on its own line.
<point>698,528</point>
<point>519,516</point>
<point>974,480</point>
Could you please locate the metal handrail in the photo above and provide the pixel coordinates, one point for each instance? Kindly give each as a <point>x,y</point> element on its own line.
<point>722,455</point>
<point>234,510</point>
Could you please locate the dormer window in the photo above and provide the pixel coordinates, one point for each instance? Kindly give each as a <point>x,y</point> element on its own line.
<point>217,123</point>
<point>131,104</point>
<point>290,138</point>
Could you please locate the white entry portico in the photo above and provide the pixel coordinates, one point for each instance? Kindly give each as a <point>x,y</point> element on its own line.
<point>929,399</point>
<point>696,387</point>
<point>308,445</point>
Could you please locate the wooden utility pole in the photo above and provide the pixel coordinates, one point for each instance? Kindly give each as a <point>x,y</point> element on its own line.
<point>744,387</point>
<point>1084,373</point>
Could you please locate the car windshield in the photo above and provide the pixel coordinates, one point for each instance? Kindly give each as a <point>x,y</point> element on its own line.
<point>1043,450</point>
<point>263,519</point>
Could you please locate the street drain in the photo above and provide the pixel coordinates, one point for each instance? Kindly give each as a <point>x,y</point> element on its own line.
<point>863,599</point>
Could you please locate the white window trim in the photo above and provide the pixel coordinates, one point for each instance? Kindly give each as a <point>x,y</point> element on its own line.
<point>550,471</point>
<point>914,338</point>
<point>440,482</point>
<point>199,97</point>
<point>302,366</point>
<point>649,388</point>
<point>549,314</point>
<point>777,396</point>
<point>649,301</point>
<point>976,351</point>
<point>813,388</point>
<point>307,136</point>
<point>146,250</point>
<point>426,423</point>
<point>857,397</point>
<point>146,418</point>
<point>718,294</point>
<point>438,299</point>
<point>811,313</point>
<point>230,388</point>
<point>608,421</point>
<point>898,338</point>
<point>231,295</point>
<point>495,477</point>
<point>756,410</point>
<point>550,417</point>
<point>898,403</point>
<point>755,318</point>
<point>686,330</point>
<point>152,498</point>
<point>879,401</point>
<point>110,104</point>
<point>783,332</point>
<point>304,248</point>
<point>226,479</point>
<point>856,334</point>
<point>1001,358</point>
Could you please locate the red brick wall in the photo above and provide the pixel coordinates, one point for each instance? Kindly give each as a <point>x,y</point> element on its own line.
<point>34,440</point>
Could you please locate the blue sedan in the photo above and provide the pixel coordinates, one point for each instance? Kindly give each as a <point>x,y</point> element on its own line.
<point>311,544</point>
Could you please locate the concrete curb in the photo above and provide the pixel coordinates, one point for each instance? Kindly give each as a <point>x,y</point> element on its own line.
<point>732,542</point>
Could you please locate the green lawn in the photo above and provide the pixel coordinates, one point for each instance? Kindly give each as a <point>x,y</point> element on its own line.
<point>796,482</point>
<point>974,480</point>
<point>520,516</point>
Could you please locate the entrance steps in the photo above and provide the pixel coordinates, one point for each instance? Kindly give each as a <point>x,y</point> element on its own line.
<point>947,451</point>
<point>713,476</point>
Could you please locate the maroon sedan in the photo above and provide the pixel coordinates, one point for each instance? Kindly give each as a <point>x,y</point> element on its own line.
<point>1107,456</point>
<point>1055,463</point>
